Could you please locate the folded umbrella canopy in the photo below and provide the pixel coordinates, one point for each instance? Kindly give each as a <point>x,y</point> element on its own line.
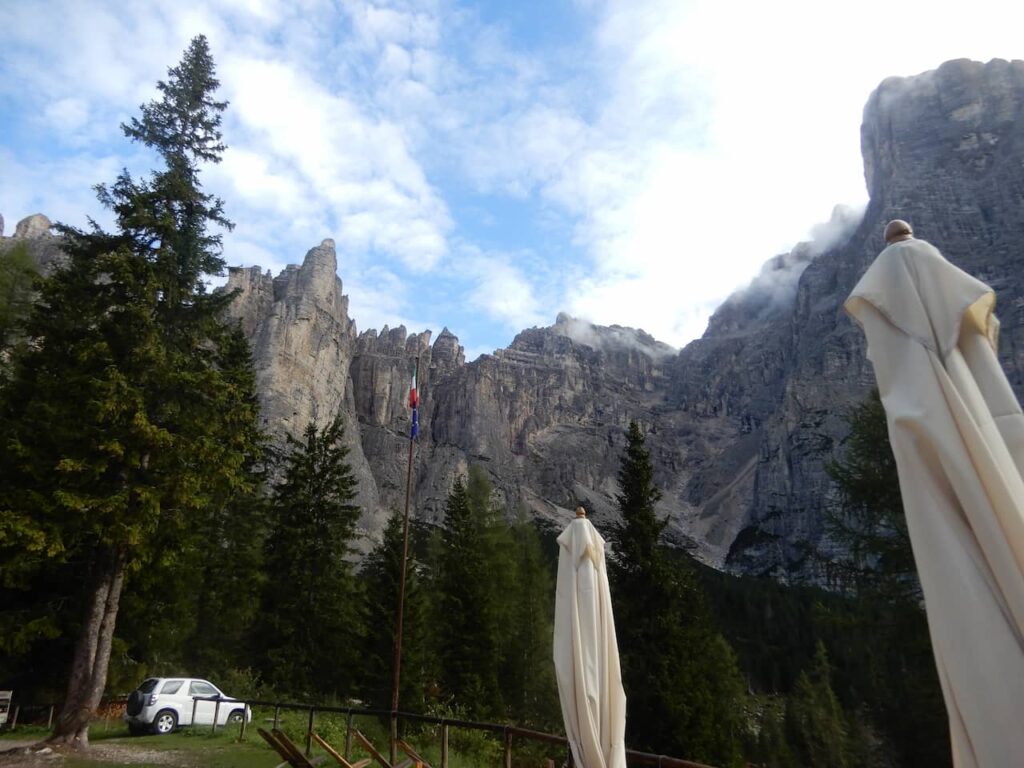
<point>957,433</point>
<point>586,652</point>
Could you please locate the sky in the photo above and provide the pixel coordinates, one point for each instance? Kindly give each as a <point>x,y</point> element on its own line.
<point>483,166</point>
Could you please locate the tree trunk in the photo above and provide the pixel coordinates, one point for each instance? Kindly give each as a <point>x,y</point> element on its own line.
<point>89,665</point>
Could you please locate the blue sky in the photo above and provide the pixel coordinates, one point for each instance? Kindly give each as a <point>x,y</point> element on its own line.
<point>487,165</point>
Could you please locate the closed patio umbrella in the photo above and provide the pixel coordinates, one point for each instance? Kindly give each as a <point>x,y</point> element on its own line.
<point>957,433</point>
<point>586,652</point>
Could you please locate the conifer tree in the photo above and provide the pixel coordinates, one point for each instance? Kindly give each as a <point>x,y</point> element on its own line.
<point>17,272</point>
<point>683,687</point>
<point>110,440</point>
<point>309,630</point>
<point>869,524</point>
<point>528,673</point>
<point>874,562</point>
<point>227,567</point>
<point>815,722</point>
<point>465,612</point>
<point>380,576</point>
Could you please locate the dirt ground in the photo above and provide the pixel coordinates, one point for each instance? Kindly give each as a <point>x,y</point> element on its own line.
<point>36,755</point>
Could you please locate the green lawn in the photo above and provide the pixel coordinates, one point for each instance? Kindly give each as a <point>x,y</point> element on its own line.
<point>202,749</point>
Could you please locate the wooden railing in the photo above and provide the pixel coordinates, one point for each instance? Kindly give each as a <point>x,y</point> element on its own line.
<point>507,732</point>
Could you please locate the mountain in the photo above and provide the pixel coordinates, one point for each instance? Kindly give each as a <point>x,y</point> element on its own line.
<point>740,423</point>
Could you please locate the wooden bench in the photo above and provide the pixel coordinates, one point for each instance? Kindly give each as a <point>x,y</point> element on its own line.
<point>338,758</point>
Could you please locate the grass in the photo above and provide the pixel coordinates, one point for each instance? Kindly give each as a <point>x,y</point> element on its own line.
<point>200,748</point>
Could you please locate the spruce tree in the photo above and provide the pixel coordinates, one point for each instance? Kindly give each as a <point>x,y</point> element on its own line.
<point>683,687</point>
<point>226,571</point>
<point>308,636</point>
<point>873,561</point>
<point>110,435</point>
<point>17,272</point>
<point>465,611</point>
<point>815,723</point>
<point>380,576</point>
<point>868,525</point>
<point>528,673</point>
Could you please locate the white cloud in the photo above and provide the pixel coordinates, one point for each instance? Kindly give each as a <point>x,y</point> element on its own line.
<point>682,144</point>
<point>356,168</point>
<point>501,291</point>
<point>718,136</point>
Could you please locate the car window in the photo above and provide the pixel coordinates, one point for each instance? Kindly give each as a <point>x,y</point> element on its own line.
<point>148,686</point>
<point>200,688</point>
<point>171,686</point>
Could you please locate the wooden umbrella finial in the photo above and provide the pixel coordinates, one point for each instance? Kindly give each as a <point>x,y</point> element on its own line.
<point>897,230</point>
<point>581,512</point>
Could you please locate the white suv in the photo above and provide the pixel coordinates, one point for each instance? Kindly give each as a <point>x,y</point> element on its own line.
<point>161,704</point>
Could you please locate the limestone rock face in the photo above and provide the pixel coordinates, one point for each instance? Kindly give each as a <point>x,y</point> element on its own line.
<point>32,227</point>
<point>303,344</point>
<point>33,232</point>
<point>942,150</point>
<point>740,423</point>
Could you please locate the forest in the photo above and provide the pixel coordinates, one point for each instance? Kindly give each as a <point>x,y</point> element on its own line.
<point>148,526</point>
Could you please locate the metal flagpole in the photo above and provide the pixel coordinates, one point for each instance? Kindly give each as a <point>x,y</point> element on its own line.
<point>414,402</point>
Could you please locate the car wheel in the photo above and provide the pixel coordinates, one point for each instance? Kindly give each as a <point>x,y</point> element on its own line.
<point>235,717</point>
<point>165,722</point>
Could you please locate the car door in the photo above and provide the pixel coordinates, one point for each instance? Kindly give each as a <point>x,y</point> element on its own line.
<point>204,709</point>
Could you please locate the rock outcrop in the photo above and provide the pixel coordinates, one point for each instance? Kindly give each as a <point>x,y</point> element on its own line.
<point>740,423</point>
<point>34,232</point>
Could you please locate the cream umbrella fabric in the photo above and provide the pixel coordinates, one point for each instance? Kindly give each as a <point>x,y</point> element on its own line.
<point>958,436</point>
<point>586,652</point>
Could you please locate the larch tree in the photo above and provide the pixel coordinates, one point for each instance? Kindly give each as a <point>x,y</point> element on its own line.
<point>112,435</point>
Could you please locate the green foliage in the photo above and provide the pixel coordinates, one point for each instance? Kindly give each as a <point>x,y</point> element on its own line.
<point>130,415</point>
<point>493,596</point>
<point>684,689</point>
<point>869,524</point>
<point>814,720</point>
<point>637,537</point>
<point>885,644</point>
<point>381,576</point>
<point>309,618</point>
<point>466,613</point>
<point>17,272</point>
<point>527,675</point>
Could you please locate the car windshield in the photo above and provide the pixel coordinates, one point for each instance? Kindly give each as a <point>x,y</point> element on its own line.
<point>148,686</point>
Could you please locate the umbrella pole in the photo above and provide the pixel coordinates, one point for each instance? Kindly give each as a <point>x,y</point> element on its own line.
<point>401,603</point>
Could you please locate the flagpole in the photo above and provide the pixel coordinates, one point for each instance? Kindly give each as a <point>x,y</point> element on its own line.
<point>413,401</point>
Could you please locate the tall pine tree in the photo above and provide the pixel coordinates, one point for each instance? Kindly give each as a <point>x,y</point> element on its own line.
<point>110,436</point>
<point>683,687</point>
<point>308,636</point>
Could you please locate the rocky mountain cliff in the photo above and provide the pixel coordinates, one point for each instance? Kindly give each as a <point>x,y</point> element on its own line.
<point>740,423</point>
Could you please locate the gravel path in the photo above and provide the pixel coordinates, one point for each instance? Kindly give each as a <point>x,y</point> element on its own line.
<point>31,754</point>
